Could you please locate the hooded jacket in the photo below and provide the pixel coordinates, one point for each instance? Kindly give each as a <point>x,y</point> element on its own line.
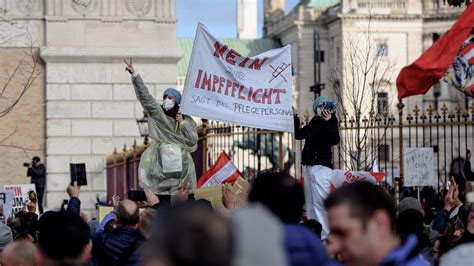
<point>320,136</point>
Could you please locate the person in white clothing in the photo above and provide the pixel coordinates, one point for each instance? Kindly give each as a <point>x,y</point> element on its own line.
<point>321,133</point>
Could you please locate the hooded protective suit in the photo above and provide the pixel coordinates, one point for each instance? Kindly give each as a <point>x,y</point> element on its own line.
<point>167,163</point>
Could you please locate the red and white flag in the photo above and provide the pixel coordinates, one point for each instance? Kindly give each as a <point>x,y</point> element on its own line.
<point>343,177</point>
<point>223,171</point>
<point>453,50</point>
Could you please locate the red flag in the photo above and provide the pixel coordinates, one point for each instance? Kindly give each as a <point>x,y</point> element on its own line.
<point>430,67</point>
<point>223,171</point>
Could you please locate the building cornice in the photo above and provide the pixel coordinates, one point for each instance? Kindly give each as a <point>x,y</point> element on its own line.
<point>169,55</point>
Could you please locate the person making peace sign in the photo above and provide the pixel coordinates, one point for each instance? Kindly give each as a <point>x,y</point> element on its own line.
<point>166,165</point>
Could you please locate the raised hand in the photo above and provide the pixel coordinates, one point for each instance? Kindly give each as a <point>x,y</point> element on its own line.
<point>73,190</point>
<point>182,194</point>
<point>129,66</point>
<point>228,198</point>
<point>115,200</point>
<point>327,115</point>
<point>151,198</point>
<point>179,117</point>
<point>451,199</point>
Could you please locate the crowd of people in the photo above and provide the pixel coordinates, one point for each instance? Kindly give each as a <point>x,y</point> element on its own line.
<point>283,221</point>
<point>271,229</point>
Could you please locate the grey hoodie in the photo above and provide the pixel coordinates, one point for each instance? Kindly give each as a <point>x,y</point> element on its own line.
<point>259,238</point>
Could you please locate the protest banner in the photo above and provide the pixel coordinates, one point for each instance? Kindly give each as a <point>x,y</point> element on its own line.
<point>418,167</point>
<point>223,171</point>
<point>22,195</point>
<point>342,177</point>
<point>6,202</point>
<point>224,85</point>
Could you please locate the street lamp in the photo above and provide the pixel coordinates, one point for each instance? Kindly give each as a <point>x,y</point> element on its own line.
<point>143,126</point>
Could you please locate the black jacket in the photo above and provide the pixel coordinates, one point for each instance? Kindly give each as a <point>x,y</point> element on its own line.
<point>320,136</point>
<point>38,175</point>
<point>122,246</point>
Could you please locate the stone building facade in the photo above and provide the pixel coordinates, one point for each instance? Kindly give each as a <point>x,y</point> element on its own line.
<point>403,28</point>
<point>88,103</point>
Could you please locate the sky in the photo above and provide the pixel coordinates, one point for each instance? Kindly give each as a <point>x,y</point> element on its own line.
<point>219,16</point>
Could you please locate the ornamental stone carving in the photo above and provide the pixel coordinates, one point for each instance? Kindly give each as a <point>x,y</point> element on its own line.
<point>138,8</point>
<point>84,6</point>
<point>27,6</point>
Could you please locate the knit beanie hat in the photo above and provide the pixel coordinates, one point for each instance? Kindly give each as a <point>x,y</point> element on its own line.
<point>318,101</point>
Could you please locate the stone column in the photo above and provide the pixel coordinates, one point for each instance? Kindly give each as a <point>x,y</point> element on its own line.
<point>91,106</point>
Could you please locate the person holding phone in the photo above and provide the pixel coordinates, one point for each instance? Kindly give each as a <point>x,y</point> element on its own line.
<point>320,134</point>
<point>166,165</point>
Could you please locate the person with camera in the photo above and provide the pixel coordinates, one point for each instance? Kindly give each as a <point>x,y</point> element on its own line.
<point>37,172</point>
<point>320,134</point>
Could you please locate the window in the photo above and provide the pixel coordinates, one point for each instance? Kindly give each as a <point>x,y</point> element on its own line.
<point>382,102</point>
<point>382,49</point>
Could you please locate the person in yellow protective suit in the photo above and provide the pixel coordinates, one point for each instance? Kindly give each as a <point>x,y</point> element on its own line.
<point>167,165</point>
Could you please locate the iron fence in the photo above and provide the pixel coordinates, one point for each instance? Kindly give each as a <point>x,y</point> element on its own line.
<point>449,132</point>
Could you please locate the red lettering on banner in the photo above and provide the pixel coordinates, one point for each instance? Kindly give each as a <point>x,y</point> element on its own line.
<point>221,83</point>
<point>230,58</point>
<point>206,82</point>
<point>198,80</point>
<point>254,96</point>
<point>267,95</point>
<point>218,50</point>
<point>240,92</point>
<point>242,64</point>
<point>230,55</point>
<point>215,80</point>
<point>235,86</point>
<point>256,64</point>
<point>249,97</point>
<point>277,92</point>
<point>234,89</point>
<point>228,84</point>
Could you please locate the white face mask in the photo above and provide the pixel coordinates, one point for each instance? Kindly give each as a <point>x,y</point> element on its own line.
<point>168,104</point>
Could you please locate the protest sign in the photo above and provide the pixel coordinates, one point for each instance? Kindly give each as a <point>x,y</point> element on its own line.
<point>342,177</point>
<point>418,167</point>
<point>223,85</point>
<point>22,195</point>
<point>211,194</point>
<point>6,201</point>
<point>241,189</point>
<point>103,211</point>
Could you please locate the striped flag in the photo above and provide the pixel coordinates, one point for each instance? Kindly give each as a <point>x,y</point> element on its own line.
<point>223,171</point>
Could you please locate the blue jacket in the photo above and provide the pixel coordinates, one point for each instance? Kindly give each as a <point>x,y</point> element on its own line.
<point>303,247</point>
<point>122,246</point>
<point>405,255</point>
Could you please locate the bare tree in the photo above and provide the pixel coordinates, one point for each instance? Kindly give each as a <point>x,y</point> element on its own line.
<point>23,72</point>
<point>357,81</point>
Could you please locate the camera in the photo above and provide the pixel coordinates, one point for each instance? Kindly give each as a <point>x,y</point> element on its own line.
<point>26,164</point>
